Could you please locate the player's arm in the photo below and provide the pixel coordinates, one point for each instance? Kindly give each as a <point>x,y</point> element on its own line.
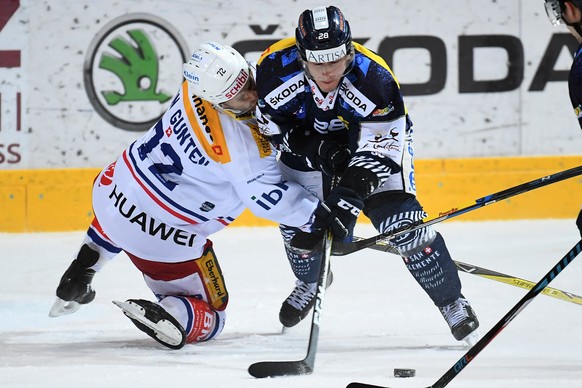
<point>317,150</point>
<point>269,196</point>
<point>378,155</point>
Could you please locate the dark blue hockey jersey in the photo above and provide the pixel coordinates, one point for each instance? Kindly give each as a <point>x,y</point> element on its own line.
<point>367,112</point>
<point>575,84</point>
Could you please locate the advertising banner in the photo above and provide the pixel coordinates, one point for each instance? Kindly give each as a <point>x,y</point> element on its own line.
<point>80,79</point>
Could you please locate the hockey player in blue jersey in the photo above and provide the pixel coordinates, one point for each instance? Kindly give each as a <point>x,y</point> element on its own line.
<point>334,108</point>
<point>570,14</point>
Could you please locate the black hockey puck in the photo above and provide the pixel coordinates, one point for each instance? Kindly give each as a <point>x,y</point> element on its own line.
<point>404,372</point>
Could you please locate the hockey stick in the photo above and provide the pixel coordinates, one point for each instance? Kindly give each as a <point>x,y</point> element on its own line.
<point>301,367</point>
<point>345,249</point>
<point>499,326</point>
<point>517,282</point>
<point>492,275</point>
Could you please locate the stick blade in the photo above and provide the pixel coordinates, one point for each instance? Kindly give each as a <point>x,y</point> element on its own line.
<point>279,368</point>
<point>342,249</point>
<point>364,385</point>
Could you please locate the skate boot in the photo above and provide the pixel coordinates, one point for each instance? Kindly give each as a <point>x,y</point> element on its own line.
<point>152,319</point>
<point>75,289</point>
<point>299,302</point>
<point>462,320</point>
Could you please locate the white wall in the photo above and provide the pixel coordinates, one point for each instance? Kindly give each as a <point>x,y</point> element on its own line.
<point>55,124</point>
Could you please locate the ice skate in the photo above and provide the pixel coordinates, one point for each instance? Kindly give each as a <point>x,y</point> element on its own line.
<point>75,289</point>
<point>299,302</point>
<point>462,320</point>
<point>152,319</point>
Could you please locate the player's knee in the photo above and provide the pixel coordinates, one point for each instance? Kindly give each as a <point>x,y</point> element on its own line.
<point>417,243</point>
<point>399,212</point>
<point>414,242</point>
<point>198,319</point>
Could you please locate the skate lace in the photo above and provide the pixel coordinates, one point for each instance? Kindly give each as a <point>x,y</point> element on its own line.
<point>301,295</point>
<point>455,312</point>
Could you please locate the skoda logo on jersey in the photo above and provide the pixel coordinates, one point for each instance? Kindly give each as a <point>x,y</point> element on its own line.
<point>130,70</point>
<point>356,99</point>
<point>285,92</point>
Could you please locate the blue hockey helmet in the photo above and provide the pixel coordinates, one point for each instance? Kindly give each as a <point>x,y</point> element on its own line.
<point>323,35</point>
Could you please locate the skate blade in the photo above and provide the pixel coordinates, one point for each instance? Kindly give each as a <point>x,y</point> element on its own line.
<point>63,307</point>
<point>472,339</point>
<point>165,330</point>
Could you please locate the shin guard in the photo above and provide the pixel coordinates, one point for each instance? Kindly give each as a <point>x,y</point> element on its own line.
<point>435,271</point>
<point>305,266</point>
<point>424,250</point>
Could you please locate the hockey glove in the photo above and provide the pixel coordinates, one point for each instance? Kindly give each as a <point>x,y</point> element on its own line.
<point>339,213</point>
<point>579,222</point>
<point>331,158</point>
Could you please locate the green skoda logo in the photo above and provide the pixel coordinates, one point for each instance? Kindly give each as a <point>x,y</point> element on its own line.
<point>132,69</point>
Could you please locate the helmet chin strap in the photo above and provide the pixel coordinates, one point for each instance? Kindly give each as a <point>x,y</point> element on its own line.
<point>237,113</point>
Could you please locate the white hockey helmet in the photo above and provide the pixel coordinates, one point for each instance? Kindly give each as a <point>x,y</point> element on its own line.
<point>216,72</point>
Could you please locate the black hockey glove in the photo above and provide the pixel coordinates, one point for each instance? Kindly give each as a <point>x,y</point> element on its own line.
<point>339,212</point>
<point>579,222</point>
<point>331,158</point>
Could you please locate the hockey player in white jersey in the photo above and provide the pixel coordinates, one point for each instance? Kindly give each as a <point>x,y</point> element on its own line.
<point>188,177</point>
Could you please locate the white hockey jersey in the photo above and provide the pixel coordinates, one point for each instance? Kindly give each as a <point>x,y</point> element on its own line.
<point>190,176</point>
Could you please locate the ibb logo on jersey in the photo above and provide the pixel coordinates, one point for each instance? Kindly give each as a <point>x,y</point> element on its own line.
<point>268,200</point>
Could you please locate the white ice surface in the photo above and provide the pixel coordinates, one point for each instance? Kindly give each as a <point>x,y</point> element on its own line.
<point>375,318</point>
